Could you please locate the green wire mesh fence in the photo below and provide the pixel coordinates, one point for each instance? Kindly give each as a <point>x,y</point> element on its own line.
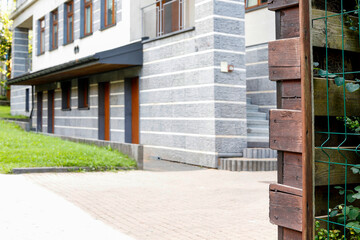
<point>336,57</point>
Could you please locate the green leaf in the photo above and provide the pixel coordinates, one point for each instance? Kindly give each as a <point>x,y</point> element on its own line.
<point>339,81</point>
<point>334,213</point>
<point>338,187</point>
<point>346,210</point>
<point>353,213</point>
<point>357,189</point>
<point>340,219</point>
<point>350,197</point>
<point>356,196</point>
<point>316,64</point>
<point>355,170</point>
<point>353,28</point>
<point>352,87</point>
<point>341,192</point>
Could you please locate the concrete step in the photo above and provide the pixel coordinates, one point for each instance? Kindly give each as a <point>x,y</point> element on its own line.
<point>245,164</point>
<point>252,108</point>
<point>256,116</point>
<point>257,141</point>
<point>248,100</point>
<point>259,153</point>
<point>258,123</point>
<point>258,131</point>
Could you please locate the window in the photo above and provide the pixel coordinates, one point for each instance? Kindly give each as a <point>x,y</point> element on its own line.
<point>169,16</point>
<point>109,12</point>
<point>255,3</point>
<point>27,100</point>
<point>54,30</point>
<point>87,17</point>
<point>69,22</point>
<point>66,95</point>
<point>41,36</point>
<point>83,93</point>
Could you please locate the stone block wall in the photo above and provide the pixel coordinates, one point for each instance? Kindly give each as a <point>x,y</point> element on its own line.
<point>258,87</point>
<point>191,111</point>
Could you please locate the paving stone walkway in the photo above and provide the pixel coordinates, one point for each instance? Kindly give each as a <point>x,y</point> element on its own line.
<point>166,201</point>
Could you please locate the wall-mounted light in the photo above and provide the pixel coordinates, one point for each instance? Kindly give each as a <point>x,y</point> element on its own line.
<point>225,67</point>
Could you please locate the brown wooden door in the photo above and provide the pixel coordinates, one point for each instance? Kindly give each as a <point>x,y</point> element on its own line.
<point>132,110</point>
<point>135,110</point>
<point>51,111</point>
<point>104,111</point>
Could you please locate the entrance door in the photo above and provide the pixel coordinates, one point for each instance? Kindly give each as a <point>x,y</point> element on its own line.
<point>51,111</point>
<point>39,111</point>
<point>104,111</point>
<point>132,110</point>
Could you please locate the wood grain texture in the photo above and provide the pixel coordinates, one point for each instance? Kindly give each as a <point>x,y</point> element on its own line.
<point>285,189</point>
<point>308,205</point>
<point>334,32</point>
<point>284,59</point>
<point>289,23</point>
<point>292,234</point>
<point>291,95</point>
<point>286,210</point>
<point>286,130</point>
<point>274,5</point>
<point>336,99</point>
<point>337,172</point>
<point>292,175</point>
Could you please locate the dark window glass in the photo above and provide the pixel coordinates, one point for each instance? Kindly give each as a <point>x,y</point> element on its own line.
<point>83,93</point>
<point>66,95</point>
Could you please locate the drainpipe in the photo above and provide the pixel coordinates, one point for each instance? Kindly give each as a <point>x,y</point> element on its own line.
<point>32,104</point>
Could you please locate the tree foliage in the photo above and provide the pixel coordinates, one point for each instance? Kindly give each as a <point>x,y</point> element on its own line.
<point>5,43</point>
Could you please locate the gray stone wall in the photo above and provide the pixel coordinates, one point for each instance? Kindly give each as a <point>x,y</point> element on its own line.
<point>84,123</point>
<point>259,88</point>
<point>190,110</point>
<point>20,66</point>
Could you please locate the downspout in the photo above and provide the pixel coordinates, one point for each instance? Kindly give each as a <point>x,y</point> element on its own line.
<point>32,104</point>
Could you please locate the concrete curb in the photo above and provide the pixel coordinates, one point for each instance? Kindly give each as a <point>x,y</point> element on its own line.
<point>61,169</point>
<point>249,165</point>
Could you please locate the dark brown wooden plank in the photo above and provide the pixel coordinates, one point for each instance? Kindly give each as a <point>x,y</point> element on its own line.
<point>289,23</point>
<point>274,5</point>
<point>289,234</point>
<point>284,73</point>
<point>292,169</point>
<point>284,53</point>
<point>284,59</point>
<point>286,210</point>
<point>307,120</point>
<point>285,189</point>
<point>291,95</point>
<point>280,167</point>
<point>286,130</point>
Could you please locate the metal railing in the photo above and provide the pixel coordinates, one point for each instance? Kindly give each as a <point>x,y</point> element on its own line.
<point>163,17</point>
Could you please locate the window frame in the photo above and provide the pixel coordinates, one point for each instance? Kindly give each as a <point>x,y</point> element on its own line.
<point>41,31</point>
<point>259,4</point>
<point>113,21</point>
<point>83,94</point>
<point>87,4</point>
<point>68,15</point>
<point>55,23</point>
<point>160,24</point>
<point>66,96</point>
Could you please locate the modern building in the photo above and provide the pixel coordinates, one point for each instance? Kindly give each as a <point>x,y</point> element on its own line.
<point>172,75</point>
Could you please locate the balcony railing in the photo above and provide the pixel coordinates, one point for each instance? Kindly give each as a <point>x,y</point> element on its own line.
<point>164,16</point>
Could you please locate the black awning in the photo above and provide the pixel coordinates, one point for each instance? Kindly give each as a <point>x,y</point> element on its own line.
<point>125,56</point>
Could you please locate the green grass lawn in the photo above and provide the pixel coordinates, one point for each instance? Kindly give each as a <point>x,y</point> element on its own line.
<point>20,149</point>
<point>5,113</point>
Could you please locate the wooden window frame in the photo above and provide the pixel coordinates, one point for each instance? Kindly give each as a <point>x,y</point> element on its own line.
<point>83,94</point>
<point>106,14</point>
<point>42,30</point>
<point>256,6</point>
<point>69,14</point>
<point>66,96</point>
<point>55,23</point>
<point>86,5</point>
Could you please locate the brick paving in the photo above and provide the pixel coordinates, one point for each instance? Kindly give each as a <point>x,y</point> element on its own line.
<point>171,201</point>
